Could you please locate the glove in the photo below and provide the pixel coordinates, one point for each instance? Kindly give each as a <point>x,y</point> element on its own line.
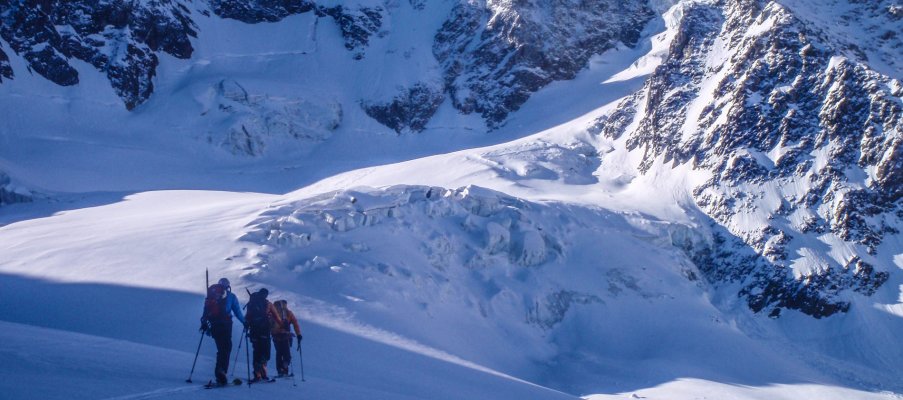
<point>203,327</point>
<point>299,338</point>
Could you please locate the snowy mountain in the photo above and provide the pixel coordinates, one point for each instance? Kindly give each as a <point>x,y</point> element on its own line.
<point>508,199</point>
<point>802,143</point>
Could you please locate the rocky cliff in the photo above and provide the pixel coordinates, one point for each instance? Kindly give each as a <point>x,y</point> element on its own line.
<point>120,39</point>
<point>803,145</point>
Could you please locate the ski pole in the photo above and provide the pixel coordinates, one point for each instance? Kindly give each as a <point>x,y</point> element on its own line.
<point>293,363</point>
<point>207,283</point>
<point>248,356</point>
<point>301,358</point>
<point>195,358</point>
<point>237,352</point>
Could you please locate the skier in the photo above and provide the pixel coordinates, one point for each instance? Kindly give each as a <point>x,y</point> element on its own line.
<point>216,321</point>
<point>261,315</point>
<point>282,337</point>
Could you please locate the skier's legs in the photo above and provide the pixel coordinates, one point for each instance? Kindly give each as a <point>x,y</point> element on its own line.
<point>283,345</point>
<point>261,344</point>
<point>222,335</point>
<point>266,349</point>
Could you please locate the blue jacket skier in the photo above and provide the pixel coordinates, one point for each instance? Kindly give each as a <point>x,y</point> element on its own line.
<point>216,321</point>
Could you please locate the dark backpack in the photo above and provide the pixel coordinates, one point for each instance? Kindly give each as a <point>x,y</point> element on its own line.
<point>215,303</point>
<point>258,317</point>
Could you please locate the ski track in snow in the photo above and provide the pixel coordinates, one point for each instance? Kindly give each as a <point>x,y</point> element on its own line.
<point>158,393</point>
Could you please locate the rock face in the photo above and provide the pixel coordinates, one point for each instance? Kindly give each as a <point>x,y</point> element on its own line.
<point>356,23</point>
<point>410,111</point>
<point>6,71</point>
<point>120,39</point>
<point>10,194</point>
<point>803,147</point>
<point>495,54</point>
<point>254,11</point>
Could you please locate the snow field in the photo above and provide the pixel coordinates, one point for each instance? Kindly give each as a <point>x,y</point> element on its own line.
<point>632,322</point>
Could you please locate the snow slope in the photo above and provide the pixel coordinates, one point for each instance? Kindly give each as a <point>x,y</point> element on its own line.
<point>130,281</point>
<point>136,319</point>
<point>53,363</point>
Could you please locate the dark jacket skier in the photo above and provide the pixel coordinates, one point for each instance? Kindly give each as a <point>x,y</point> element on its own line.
<point>216,321</point>
<point>261,315</point>
<point>282,337</point>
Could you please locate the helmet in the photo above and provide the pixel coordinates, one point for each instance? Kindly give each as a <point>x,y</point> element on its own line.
<point>264,292</point>
<point>225,283</point>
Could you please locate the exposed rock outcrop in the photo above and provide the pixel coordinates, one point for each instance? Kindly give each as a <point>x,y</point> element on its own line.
<point>496,54</point>
<point>803,146</point>
<point>120,39</point>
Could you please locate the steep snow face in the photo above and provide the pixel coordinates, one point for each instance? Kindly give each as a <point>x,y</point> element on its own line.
<point>804,146</point>
<point>495,54</point>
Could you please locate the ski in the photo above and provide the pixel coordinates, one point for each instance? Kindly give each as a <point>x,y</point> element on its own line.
<point>212,385</point>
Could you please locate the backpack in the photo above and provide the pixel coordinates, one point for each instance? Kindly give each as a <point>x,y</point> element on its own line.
<point>215,303</point>
<point>282,310</point>
<point>258,318</point>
